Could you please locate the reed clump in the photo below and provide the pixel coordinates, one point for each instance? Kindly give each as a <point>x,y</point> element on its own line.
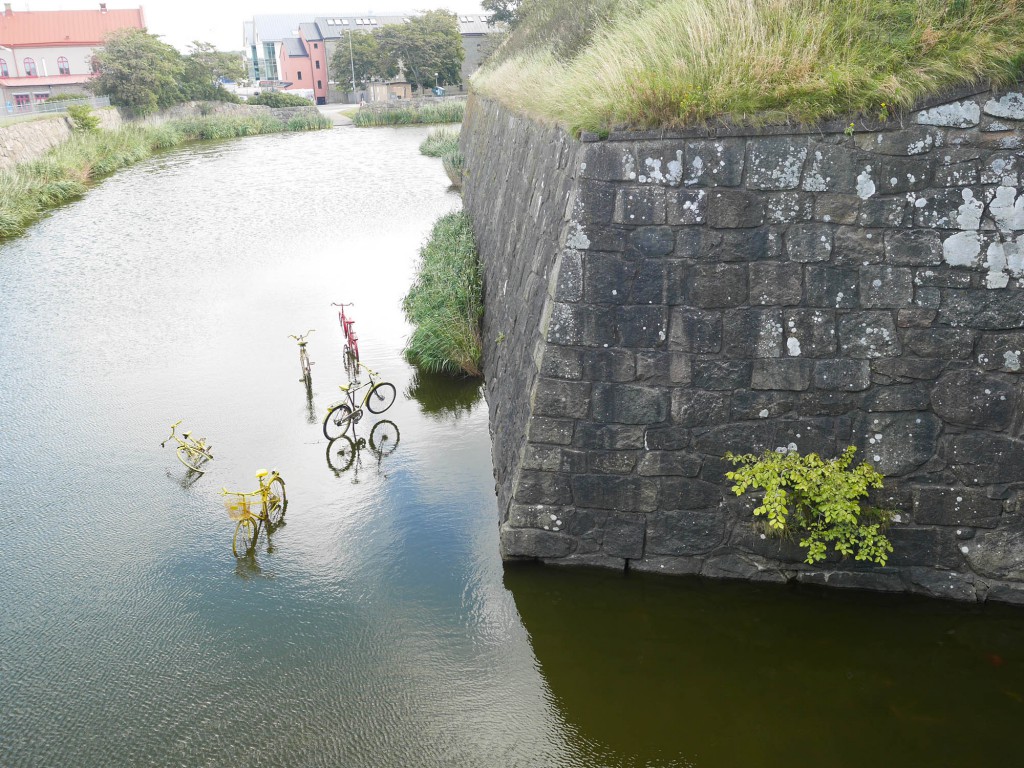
<point>440,142</point>
<point>652,63</point>
<point>445,112</point>
<point>445,303</point>
<point>64,173</point>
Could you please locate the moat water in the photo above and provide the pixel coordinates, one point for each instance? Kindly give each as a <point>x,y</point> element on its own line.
<point>377,627</point>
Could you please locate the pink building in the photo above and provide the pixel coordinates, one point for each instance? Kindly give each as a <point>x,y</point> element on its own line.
<point>304,62</point>
<point>43,53</point>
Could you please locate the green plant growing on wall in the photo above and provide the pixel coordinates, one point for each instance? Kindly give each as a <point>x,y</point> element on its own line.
<point>817,499</point>
<point>82,118</point>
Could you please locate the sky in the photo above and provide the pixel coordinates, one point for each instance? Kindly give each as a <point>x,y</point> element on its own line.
<point>179,22</point>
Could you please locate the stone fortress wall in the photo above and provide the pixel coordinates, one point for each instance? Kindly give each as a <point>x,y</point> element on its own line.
<point>656,299</point>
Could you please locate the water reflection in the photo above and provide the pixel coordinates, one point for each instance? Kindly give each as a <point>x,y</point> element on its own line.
<point>830,677</point>
<point>344,452</point>
<point>444,396</point>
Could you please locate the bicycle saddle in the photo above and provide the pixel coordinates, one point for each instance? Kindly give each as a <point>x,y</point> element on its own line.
<point>262,473</point>
<point>186,434</point>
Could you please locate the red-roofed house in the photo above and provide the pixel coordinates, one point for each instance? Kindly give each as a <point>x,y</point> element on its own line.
<point>43,53</point>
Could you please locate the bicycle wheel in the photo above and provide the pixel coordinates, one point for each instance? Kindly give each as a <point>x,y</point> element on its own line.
<point>341,452</point>
<point>384,438</point>
<point>245,537</point>
<point>337,422</point>
<point>191,458</point>
<point>381,397</point>
<point>277,501</point>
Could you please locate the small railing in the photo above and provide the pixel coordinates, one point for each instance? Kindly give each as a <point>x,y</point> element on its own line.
<point>50,107</point>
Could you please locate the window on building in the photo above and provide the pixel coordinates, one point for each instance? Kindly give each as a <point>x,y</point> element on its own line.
<point>30,67</point>
<point>317,46</point>
<point>300,75</point>
<point>63,67</point>
<point>4,72</point>
<point>40,97</point>
<point>319,84</point>
<point>21,99</point>
<point>318,64</point>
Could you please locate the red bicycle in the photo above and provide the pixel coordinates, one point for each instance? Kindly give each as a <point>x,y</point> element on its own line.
<point>351,339</point>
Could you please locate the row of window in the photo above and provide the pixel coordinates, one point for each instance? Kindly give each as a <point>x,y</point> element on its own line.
<point>29,67</point>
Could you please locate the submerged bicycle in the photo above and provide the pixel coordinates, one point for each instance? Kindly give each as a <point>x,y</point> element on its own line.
<point>304,364</point>
<point>192,453</point>
<point>343,450</point>
<point>266,504</point>
<point>351,339</point>
<point>379,396</point>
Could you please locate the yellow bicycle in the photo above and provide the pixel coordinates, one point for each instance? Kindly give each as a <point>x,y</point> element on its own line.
<point>341,415</point>
<point>266,504</point>
<point>192,453</point>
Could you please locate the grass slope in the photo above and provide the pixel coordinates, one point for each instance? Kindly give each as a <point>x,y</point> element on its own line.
<point>681,62</point>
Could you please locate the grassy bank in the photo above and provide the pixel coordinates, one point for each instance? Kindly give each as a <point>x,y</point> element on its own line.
<point>444,143</point>
<point>445,112</point>
<point>65,172</point>
<point>445,303</point>
<point>602,64</point>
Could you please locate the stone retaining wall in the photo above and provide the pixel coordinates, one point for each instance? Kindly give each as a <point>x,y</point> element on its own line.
<point>24,141</point>
<point>656,299</point>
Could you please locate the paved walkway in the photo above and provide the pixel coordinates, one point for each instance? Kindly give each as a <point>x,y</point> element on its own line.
<point>337,112</point>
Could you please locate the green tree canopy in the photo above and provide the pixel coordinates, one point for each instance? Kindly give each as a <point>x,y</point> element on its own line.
<point>365,58</point>
<point>426,45</point>
<point>138,71</point>
<point>502,10</point>
<point>203,68</point>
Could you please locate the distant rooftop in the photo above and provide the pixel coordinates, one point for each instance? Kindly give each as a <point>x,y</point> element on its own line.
<point>276,27</point>
<point>65,27</point>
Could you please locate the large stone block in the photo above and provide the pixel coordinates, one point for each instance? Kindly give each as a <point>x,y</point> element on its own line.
<point>776,163</point>
<point>974,399</point>
<point>897,443</point>
<point>735,209</point>
<point>785,374</point>
<point>697,408</point>
<point>642,327</point>
<point>930,547</point>
<point>832,169</point>
<point>714,163</point>
<point>562,399</point>
<point>533,543</point>
<point>657,463</point>
<point>547,430</point>
<point>857,246</point>
<point>842,375</point>
<point>983,458</point>
<point>752,333</point>
<point>624,535</point>
<point>955,506</point>
<point>695,330</point>
<point>717,285</point>
<point>755,244</point>
<point>757,437</point>
<point>775,283</point>
<point>690,493</point>
<point>608,161</point>
<point>808,242</point>
<point>999,553</point>
<point>626,404</point>
<point>1001,351</point>
<point>981,309</point>
<point>624,494</point>
<point>684,532</point>
<point>535,487</point>
<point>640,206</point>
<point>946,343</point>
<point>907,142</point>
<point>651,242</point>
<point>612,462</point>
<point>829,286</point>
<point>687,207</point>
<point>608,437</point>
<point>809,332</point>
<point>868,334</point>
<point>884,286</point>
<point>721,374</point>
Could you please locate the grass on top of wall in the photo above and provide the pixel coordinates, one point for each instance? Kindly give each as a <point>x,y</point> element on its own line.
<point>445,112</point>
<point>65,172</point>
<point>647,63</point>
<point>445,303</point>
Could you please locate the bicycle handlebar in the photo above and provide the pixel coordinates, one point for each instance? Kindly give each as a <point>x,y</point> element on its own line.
<point>172,432</point>
<point>335,304</point>
<point>301,337</point>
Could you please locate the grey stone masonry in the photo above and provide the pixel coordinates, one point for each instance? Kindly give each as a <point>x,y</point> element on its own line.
<point>656,299</point>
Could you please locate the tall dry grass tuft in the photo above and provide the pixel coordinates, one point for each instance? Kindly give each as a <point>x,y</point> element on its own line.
<point>679,62</point>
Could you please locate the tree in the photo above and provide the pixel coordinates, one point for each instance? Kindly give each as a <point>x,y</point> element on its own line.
<point>426,45</point>
<point>203,69</point>
<point>502,10</point>
<point>138,71</point>
<point>365,59</point>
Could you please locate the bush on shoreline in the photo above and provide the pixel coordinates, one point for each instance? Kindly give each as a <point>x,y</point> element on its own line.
<point>445,302</point>
<point>64,173</point>
<point>445,112</point>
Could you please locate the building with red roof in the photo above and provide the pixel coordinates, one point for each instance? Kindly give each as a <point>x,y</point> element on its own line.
<point>43,53</point>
